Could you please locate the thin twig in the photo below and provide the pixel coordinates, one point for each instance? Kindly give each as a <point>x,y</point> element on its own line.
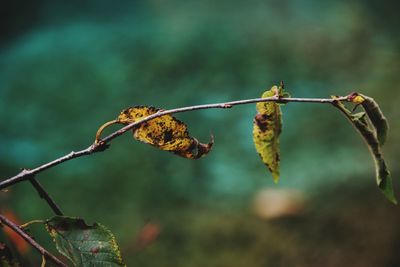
<point>32,242</point>
<point>102,144</point>
<point>43,194</point>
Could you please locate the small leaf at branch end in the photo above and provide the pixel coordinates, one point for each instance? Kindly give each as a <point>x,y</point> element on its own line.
<point>82,244</point>
<point>267,127</point>
<point>6,257</point>
<point>165,132</point>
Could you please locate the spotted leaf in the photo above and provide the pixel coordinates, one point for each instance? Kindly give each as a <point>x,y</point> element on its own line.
<point>165,132</point>
<point>267,127</point>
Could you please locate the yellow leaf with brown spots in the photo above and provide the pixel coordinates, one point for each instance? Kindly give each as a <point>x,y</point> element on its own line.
<point>267,127</point>
<point>165,132</point>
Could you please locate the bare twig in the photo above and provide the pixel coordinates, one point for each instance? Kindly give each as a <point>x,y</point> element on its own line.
<point>102,144</point>
<point>43,194</point>
<point>32,242</point>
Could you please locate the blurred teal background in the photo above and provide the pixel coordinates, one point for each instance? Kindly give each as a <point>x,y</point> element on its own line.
<point>66,67</point>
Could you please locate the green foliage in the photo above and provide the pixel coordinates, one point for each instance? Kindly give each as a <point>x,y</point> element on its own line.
<point>82,244</point>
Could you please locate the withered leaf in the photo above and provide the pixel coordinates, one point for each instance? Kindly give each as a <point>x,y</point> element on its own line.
<point>165,132</point>
<point>267,127</point>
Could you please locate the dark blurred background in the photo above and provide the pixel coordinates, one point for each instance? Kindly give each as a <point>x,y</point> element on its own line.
<point>66,67</point>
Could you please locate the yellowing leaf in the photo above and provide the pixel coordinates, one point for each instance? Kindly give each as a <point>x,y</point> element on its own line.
<point>267,127</point>
<point>165,132</point>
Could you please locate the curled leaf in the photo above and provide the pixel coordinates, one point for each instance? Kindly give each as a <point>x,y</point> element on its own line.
<point>377,118</point>
<point>165,132</point>
<point>369,133</point>
<point>375,115</point>
<point>82,244</point>
<point>267,127</point>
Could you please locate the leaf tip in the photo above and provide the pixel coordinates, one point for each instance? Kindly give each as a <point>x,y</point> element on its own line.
<point>386,187</point>
<point>204,149</point>
<point>275,176</point>
<point>390,196</point>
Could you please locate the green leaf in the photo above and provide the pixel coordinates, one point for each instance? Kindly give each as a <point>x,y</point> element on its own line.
<point>6,257</point>
<point>369,134</point>
<point>82,244</point>
<point>379,122</point>
<point>377,118</point>
<point>267,127</point>
<point>386,186</point>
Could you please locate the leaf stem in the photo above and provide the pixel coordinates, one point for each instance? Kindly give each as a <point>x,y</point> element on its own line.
<point>25,225</point>
<point>101,144</point>
<point>43,261</point>
<point>101,129</point>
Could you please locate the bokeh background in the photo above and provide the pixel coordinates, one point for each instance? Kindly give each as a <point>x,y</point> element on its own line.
<point>66,67</point>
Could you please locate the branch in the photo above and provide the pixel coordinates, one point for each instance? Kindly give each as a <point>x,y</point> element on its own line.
<point>43,194</point>
<point>102,144</point>
<point>32,242</point>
